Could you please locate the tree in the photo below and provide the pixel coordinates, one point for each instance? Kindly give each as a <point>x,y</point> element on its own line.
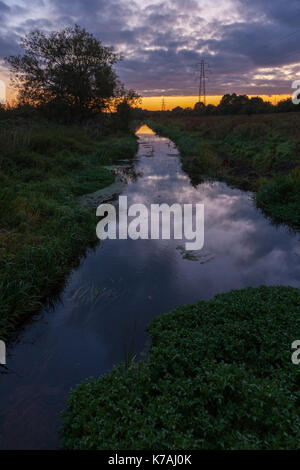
<point>123,116</point>
<point>286,106</point>
<point>199,107</point>
<point>211,109</point>
<point>68,69</point>
<point>233,104</point>
<point>178,110</point>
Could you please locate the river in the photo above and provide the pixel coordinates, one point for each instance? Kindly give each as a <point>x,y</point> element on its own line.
<point>120,285</point>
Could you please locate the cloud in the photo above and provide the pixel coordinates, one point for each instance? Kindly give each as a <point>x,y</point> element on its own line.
<point>162,41</point>
<point>4,8</point>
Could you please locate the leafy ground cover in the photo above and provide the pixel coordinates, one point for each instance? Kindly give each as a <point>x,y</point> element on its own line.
<point>219,376</point>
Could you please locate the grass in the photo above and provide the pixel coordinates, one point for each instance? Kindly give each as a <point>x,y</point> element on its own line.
<point>43,169</point>
<point>280,198</point>
<point>219,376</point>
<point>261,153</point>
<point>219,373</point>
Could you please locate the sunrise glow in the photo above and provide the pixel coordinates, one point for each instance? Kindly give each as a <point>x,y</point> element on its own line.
<point>154,103</point>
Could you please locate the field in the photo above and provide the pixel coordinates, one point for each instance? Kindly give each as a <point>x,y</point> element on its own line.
<point>43,169</point>
<point>260,153</point>
<point>219,373</point>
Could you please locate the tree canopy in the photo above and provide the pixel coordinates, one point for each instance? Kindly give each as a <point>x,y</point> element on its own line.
<point>68,69</point>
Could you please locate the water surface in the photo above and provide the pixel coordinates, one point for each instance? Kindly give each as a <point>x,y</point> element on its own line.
<point>122,284</point>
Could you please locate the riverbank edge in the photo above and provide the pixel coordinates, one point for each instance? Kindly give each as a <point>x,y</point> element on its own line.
<point>66,249</point>
<point>214,169</point>
<point>263,186</point>
<point>202,385</point>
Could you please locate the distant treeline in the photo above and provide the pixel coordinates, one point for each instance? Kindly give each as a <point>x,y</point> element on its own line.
<point>236,104</point>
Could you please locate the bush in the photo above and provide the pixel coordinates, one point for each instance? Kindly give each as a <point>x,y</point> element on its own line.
<point>280,198</point>
<point>219,376</point>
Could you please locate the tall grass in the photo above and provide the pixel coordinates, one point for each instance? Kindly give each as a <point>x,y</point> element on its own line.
<point>280,198</point>
<point>43,168</point>
<point>261,153</point>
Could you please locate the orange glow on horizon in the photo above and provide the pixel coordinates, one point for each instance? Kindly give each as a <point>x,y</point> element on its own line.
<point>154,103</point>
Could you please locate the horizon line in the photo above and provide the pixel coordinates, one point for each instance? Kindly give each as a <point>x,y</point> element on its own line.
<point>154,103</point>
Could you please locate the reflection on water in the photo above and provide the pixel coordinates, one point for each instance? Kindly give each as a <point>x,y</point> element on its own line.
<point>145,130</point>
<point>120,286</point>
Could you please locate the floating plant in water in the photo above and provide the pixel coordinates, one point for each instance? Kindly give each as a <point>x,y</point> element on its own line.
<point>197,255</point>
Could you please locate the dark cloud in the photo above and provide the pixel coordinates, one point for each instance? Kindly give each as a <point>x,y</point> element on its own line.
<point>252,45</point>
<point>9,45</point>
<point>279,11</point>
<point>4,8</point>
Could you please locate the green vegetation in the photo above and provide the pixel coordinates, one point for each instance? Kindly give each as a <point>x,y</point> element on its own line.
<point>43,168</point>
<point>260,153</point>
<point>280,198</point>
<point>219,376</point>
<point>234,105</point>
<point>68,75</point>
<point>219,373</point>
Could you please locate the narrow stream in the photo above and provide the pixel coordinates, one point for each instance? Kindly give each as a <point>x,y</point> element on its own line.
<point>122,284</point>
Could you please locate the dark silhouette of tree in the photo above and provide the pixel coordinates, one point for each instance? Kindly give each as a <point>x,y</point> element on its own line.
<point>178,110</point>
<point>233,104</point>
<point>199,107</point>
<point>287,106</point>
<point>67,70</point>
<point>242,104</point>
<point>211,109</point>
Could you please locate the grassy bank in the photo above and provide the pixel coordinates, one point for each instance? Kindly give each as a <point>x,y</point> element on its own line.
<point>261,153</point>
<point>43,230</point>
<point>219,376</point>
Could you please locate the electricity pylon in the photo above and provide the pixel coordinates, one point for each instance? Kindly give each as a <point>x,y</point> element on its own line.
<point>202,81</point>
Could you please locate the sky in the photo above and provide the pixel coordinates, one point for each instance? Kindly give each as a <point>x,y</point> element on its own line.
<point>251,46</point>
